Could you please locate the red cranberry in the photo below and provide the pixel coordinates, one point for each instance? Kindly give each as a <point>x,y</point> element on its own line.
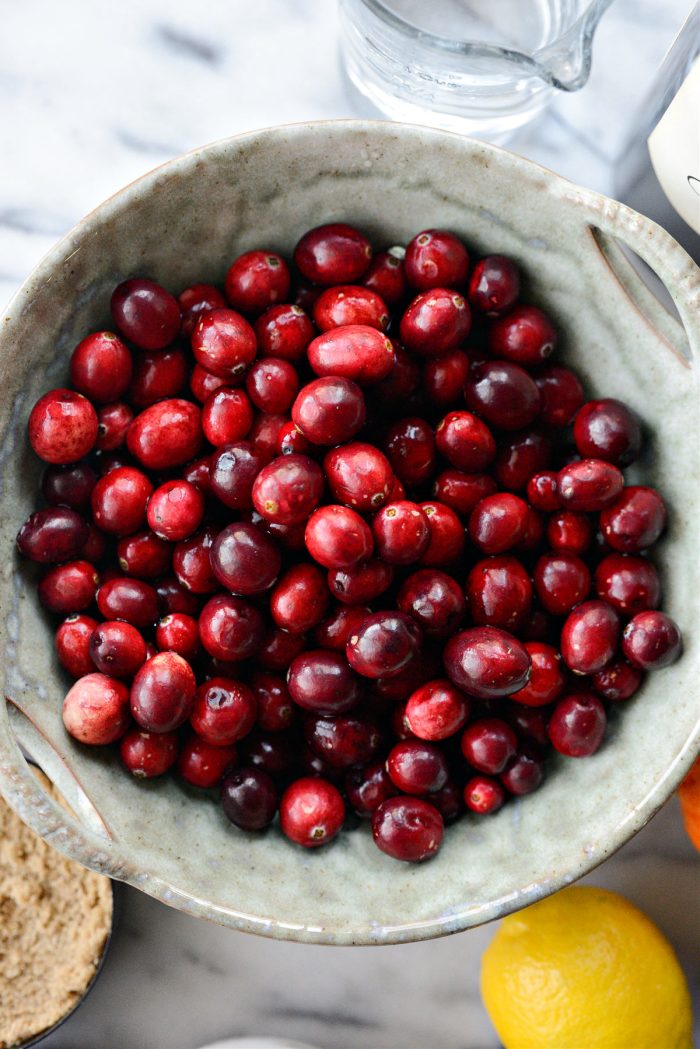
<point>499,593</point>
<point>265,434</point>
<point>300,599</point>
<point>73,645</point>
<point>203,384</point>
<point>398,687</point>
<point>447,536</point>
<point>489,744</point>
<point>400,383</point>
<point>410,448</point>
<point>192,563</point>
<point>384,644</point>
<point>272,385</point>
<point>343,741</point>
<point>333,254</point>
<point>113,422</point>
<point>278,648</point>
<point>435,322</point>
<point>96,709</point>
<point>462,491</point>
<point>354,351</point>
<point>498,522</point>
<point>249,798</point>
<point>291,441</point>
<point>503,394</point>
<point>359,476</point>
<point>569,531</point>
<point>179,633</point>
<point>525,773</point>
<point>291,537</point>
<point>362,583</point>
<point>337,537</point>
<point>100,367</point>
<point>62,426</point>
<point>69,587</point>
<point>562,581</point>
<point>483,795</point>
<point>284,331</point>
<point>589,484</point>
<point>224,343</point>
<point>129,599</point>
<point>651,641</point>
<point>486,662</point>
<point>436,711</point>
<point>629,584</point>
<point>561,395</point>
<point>401,533</point>
<point>494,286</point>
<point>195,300</point>
<point>534,533</point>
<point>525,336</point>
<point>367,788</point>
<point>223,711</point>
<point>163,692</point>
<point>444,378</point>
<point>329,410</point>
<point>202,765</point>
<point>635,521</point>
<point>617,681</point>
<point>417,767</point>
<point>436,259</point>
<point>336,631</point>
<point>69,485</point>
<point>145,313</point>
<point>148,754</point>
<point>321,681</point>
<point>543,491</point>
<point>232,471</point>
<point>175,510</point>
<point>521,456</point>
<point>577,725</point>
<point>407,828</point>
<point>465,441</point>
<point>608,430</point>
<point>227,416</point>
<point>589,637</point>
<point>350,304</point>
<point>530,723</point>
<point>118,649</point>
<point>51,536</point>
<point>387,276</point>
<point>144,555</point>
<point>312,812</point>
<point>449,800</point>
<point>275,712</point>
<point>288,489</point>
<point>166,434</point>
<point>174,597</point>
<point>256,280</point>
<point>547,677</point>
<point>434,600</point>
<point>244,559</point>
<point>230,629</point>
<point>158,374</point>
<point>119,500</point>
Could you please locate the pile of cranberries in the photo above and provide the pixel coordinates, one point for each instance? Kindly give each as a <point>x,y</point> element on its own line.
<point>340,540</point>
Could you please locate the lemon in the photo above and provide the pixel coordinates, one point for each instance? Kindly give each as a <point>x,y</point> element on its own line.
<point>585,969</point>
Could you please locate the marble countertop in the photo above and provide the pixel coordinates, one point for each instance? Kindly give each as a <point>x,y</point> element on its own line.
<point>91,96</point>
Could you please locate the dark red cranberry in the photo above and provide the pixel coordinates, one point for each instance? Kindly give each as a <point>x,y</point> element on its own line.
<point>561,395</point>
<point>174,597</point>
<point>608,430</point>
<point>539,626</point>
<point>503,394</point>
<point>105,462</point>
<point>435,322</point>
<point>401,533</point>
<point>359,585</point>
<point>337,537</point>
<point>203,384</point>
<point>407,828</point>
<point>617,681</point>
<point>96,709</point>
<point>284,331</point>
<point>278,649</point>
<point>399,724</point>
<point>249,798</point>
<point>179,633</point>
<point>449,800</point>
<point>73,644</point>
<point>224,343</point>
<point>230,629</point>
<point>525,336</point>
<point>534,533</point>
<point>629,584</point>
<point>166,434</point>
<point>543,491</point>
<point>100,367</point>
<point>569,531</point>
<point>329,410</point>
<point>436,258</point>
<point>635,521</point>
<point>483,795</point>
<point>410,448</point>
<point>525,773</point>
<point>129,599</point>
<point>144,555</point>
<point>54,535</point>
<point>530,723</point>
<point>333,254</point>
<point>651,641</point>
<point>312,812</point>
<point>397,687</point>
<point>461,491</point>
<point>434,600</point>
<point>163,692</point>
<point>202,765</point>
<point>244,559</point>
<point>148,754</point>
<point>387,276</point>
<point>358,475</point>
<point>113,422</point>
<point>494,285</point>
<point>145,313</point>
<point>288,489</point>
<point>69,587</point>
<point>291,537</point>
<point>465,441</point>
<point>69,485</point>
<point>343,741</point>
<point>577,725</point>
<point>158,374</point>
<point>547,676</point>
<point>436,711</point>
<point>257,280</point>
<point>521,456</point>
<point>499,593</point>
<point>350,304</point>
<point>336,631</point>
<point>417,767</point>
<point>273,753</point>
<point>223,711</point>
<point>562,581</point>
<point>192,563</point>
<point>299,600</point>
<point>489,744</point>
<point>195,300</point>
<point>589,637</point>
<point>402,381</point>
<point>272,384</point>
<point>175,510</point>
<point>589,485</point>
<point>118,649</point>
<point>444,378</point>
<point>62,426</point>
<point>291,441</point>
<point>384,644</point>
<point>322,682</point>
<point>232,471</point>
<point>498,522</point>
<point>367,788</point>
<point>486,662</point>
<point>227,416</point>
<point>275,712</point>
<point>95,545</point>
<point>355,352</point>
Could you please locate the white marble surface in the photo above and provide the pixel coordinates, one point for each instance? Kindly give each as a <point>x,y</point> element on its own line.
<point>92,94</point>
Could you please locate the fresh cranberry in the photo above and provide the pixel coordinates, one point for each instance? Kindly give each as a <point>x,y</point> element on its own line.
<point>436,258</point>
<point>543,491</point>
<point>336,631</point>
<point>144,555</point>
<point>329,410</point>
<point>635,521</point>
<point>561,395</point>
<point>499,593</point>
<point>387,276</point>
<point>530,723</point>
<point>113,422</point>
<point>402,381</point>
<point>407,828</point>
<point>322,682</point>
<point>69,587</point>
<point>358,475</point>
<point>203,384</point>
<point>333,254</point>
<point>465,441</point>
<point>350,304</point>
<point>384,644</point>
<point>73,644</point>
<point>447,536</point>
<point>275,712</point>
<point>129,599</point>
<point>589,637</point>
<point>449,800</point>
<point>163,692</point>
<point>119,500</point>
<point>337,537</point>
<point>521,456</point>
<point>96,709</point>
<point>503,394</point>
<point>494,286</point>
<point>230,629</point>
<point>629,584</point>
<point>291,537</point>
<point>232,471</point>
<point>299,600</point>
<point>589,485</point>
<point>498,522</point>
<point>223,711</point>
<point>105,462</point>
<point>577,725</point>
<point>534,533</point>
<point>257,280</point>
<point>483,795</point>
<point>224,343</point>
<point>651,640</point>
<point>462,491</point>
<point>249,798</point>
<point>401,532</point>
<point>417,767</point>
<point>53,535</point>
<point>117,649</point>
<point>195,300</point>
<point>192,563</point>
<point>288,489</point>
<point>547,677</point>
<point>284,331</point>
<point>562,581</point>
<point>198,473</point>
<point>244,559</point>
<point>175,510</point>
<point>291,441</point>
<point>174,597</point>
<point>434,600</point>
<point>355,351</point>
<point>62,426</point>
<point>362,583</point>
<point>343,741</point>
<point>617,681</point>
<point>166,434</point>
<point>444,378</point>
<point>145,313</point>
<point>436,711</point>
<point>569,531</point>
<point>525,336</point>
<point>410,448</point>
<point>486,662</point>
<point>489,744</point>
<point>179,633</point>
<point>158,374</point>
<point>274,753</point>
<point>148,754</point>
<point>367,788</point>
<point>203,765</point>
<point>100,367</point>
<point>227,416</point>
<point>525,772</point>
<point>399,725</point>
<point>272,385</point>
<point>435,322</point>
<point>397,687</point>
<point>69,485</point>
<point>609,430</point>
<point>312,812</point>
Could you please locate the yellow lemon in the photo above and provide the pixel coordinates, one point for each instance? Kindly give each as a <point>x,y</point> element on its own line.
<point>585,969</point>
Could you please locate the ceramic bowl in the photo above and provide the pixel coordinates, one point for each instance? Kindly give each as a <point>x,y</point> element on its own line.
<point>185,222</point>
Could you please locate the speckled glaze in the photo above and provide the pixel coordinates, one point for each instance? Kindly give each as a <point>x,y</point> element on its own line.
<point>185,222</point>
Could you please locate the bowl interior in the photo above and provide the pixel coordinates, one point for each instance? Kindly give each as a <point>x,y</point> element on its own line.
<point>185,222</point>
